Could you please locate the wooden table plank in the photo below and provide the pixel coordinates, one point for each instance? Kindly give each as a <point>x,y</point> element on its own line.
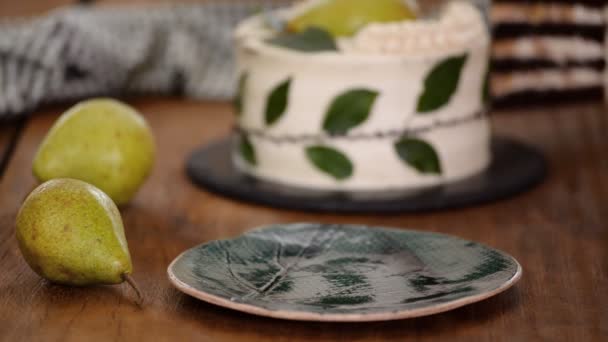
<point>26,8</point>
<point>9,136</point>
<point>557,231</point>
<point>6,137</point>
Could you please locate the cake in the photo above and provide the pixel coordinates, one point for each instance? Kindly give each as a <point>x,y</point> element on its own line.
<point>548,50</point>
<point>397,105</point>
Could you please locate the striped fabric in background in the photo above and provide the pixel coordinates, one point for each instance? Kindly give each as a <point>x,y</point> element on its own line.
<point>79,52</point>
<point>546,50</point>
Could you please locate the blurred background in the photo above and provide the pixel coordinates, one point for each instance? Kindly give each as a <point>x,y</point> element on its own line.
<point>544,51</point>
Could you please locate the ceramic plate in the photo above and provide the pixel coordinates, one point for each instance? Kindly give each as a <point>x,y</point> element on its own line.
<point>319,272</point>
<point>515,167</point>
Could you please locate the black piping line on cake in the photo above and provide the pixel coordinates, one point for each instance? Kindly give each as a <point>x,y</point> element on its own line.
<point>306,138</point>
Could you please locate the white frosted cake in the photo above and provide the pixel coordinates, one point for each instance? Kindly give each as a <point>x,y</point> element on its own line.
<point>397,105</point>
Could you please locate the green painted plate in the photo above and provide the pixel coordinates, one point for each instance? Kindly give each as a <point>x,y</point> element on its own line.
<point>321,272</point>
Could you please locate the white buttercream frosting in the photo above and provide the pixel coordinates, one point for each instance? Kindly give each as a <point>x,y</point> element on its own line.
<point>459,25</point>
<point>396,74</point>
<point>463,151</point>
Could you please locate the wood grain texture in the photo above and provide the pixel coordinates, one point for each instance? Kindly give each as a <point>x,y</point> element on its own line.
<point>7,132</point>
<point>27,8</point>
<point>10,132</point>
<point>557,231</point>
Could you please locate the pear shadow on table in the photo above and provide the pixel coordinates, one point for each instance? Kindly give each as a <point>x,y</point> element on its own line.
<point>234,323</point>
<point>65,296</point>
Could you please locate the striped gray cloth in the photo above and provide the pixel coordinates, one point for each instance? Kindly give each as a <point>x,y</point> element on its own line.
<point>78,52</point>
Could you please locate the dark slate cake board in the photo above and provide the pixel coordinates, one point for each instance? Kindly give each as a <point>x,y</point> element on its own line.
<point>515,168</point>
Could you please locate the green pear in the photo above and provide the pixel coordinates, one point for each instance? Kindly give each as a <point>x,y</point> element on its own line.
<point>103,142</point>
<point>346,17</point>
<point>71,233</point>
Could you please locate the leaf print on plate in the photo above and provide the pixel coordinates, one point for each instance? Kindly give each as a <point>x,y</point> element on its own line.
<point>313,39</point>
<point>330,161</point>
<point>440,84</point>
<point>349,110</point>
<point>328,272</point>
<point>276,104</point>
<point>418,154</point>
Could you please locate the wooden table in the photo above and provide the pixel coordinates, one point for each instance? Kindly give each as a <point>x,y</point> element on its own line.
<point>557,231</point>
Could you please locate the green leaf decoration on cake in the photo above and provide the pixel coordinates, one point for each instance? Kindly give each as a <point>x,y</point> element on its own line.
<point>313,39</point>
<point>486,94</point>
<point>247,151</point>
<point>419,154</point>
<point>349,110</point>
<point>440,84</point>
<point>277,102</point>
<point>330,161</point>
<point>238,100</point>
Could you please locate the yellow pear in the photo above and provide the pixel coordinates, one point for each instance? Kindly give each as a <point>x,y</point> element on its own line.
<point>70,232</point>
<point>102,142</point>
<point>346,17</point>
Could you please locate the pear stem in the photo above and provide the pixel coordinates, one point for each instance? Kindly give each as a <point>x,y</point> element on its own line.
<point>131,282</point>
